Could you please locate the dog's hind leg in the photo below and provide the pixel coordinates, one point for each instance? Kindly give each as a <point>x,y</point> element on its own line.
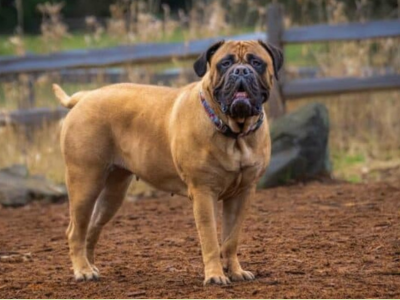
<point>84,186</point>
<point>107,205</point>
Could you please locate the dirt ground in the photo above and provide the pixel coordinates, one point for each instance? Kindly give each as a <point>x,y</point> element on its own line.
<point>314,240</point>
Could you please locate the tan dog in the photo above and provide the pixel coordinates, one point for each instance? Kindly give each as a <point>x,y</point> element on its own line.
<point>208,140</point>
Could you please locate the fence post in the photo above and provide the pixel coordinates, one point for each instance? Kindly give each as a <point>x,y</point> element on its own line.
<point>31,91</point>
<point>275,28</point>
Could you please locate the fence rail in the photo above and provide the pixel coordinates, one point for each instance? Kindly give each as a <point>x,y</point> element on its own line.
<point>32,116</point>
<point>134,54</point>
<point>160,52</point>
<point>342,32</point>
<point>300,88</point>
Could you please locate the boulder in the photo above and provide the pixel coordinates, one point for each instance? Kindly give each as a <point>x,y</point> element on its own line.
<point>299,146</point>
<point>18,188</point>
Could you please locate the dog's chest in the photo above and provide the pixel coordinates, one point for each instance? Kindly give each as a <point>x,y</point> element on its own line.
<point>243,164</point>
<point>242,156</point>
<point>240,180</point>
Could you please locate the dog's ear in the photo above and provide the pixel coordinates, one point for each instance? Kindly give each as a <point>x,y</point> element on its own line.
<point>276,55</point>
<point>200,65</point>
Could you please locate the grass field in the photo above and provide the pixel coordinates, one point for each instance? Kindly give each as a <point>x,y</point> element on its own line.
<point>36,44</point>
<point>78,40</point>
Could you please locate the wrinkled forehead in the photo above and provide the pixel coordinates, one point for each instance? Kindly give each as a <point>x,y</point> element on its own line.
<point>240,50</point>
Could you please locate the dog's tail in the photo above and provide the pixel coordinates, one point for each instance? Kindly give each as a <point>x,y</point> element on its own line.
<point>65,99</point>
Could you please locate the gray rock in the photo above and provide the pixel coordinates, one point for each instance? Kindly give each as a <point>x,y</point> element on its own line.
<point>17,188</point>
<point>13,196</point>
<point>299,146</point>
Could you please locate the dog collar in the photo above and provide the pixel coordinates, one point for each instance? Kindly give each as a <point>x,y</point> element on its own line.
<point>222,127</point>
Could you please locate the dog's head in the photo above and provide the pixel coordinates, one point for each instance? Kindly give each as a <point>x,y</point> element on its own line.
<point>240,75</point>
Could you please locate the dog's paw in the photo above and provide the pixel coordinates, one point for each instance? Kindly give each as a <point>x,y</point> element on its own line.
<point>242,275</point>
<point>87,274</point>
<point>217,279</point>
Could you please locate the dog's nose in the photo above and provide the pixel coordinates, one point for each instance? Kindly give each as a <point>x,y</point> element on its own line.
<point>241,71</point>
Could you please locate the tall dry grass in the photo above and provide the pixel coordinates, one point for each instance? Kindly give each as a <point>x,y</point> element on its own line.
<point>53,30</point>
<point>38,149</point>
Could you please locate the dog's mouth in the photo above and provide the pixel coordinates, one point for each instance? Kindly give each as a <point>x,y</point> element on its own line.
<point>240,95</point>
<point>241,105</point>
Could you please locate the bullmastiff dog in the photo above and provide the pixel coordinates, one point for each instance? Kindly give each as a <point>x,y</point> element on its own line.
<point>208,141</point>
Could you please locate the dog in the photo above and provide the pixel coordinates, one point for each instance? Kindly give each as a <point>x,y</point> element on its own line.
<point>208,140</point>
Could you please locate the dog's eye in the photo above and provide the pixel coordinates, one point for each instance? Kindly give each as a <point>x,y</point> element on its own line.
<point>256,63</point>
<point>226,63</point>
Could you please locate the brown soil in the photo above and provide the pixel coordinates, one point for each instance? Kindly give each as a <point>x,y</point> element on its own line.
<point>319,240</point>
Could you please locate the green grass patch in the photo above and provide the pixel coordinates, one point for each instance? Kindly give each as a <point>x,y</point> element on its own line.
<point>303,55</point>
<point>296,54</point>
<point>351,159</point>
<point>76,40</point>
<point>348,166</point>
<point>343,160</point>
<point>36,44</point>
<point>354,179</point>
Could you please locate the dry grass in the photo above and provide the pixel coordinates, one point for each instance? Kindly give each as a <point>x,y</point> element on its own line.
<point>39,150</point>
<point>52,28</point>
<point>365,127</point>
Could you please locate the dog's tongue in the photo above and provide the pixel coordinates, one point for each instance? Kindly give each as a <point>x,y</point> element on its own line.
<point>240,95</point>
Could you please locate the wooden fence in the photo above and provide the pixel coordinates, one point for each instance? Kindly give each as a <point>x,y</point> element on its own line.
<point>10,67</point>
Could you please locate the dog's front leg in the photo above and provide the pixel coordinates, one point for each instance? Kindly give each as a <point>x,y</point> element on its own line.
<point>234,212</point>
<point>204,214</point>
